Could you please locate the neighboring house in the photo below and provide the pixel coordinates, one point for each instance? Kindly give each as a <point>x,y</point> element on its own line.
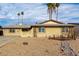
<point>76,28</point>
<point>74,23</point>
<point>49,28</point>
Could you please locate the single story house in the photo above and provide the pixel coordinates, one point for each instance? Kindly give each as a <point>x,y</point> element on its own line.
<point>48,28</point>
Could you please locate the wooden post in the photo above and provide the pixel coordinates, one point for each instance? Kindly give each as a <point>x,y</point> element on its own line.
<point>74,35</point>
<point>69,33</point>
<point>53,36</point>
<point>34,32</point>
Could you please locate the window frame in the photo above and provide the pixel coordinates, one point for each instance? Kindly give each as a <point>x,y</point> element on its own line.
<point>41,29</point>
<point>24,29</point>
<point>12,31</point>
<point>65,29</point>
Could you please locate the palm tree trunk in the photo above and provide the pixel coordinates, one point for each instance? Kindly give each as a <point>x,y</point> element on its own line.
<point>22,19</point>
<point>50,14</point>
<point>57,14</point>
<point>18,20</point>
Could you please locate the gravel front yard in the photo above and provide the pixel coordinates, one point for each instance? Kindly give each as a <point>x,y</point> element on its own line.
<point>30,47</point>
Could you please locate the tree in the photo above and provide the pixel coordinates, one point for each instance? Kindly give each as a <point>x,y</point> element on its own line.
<point>22,13</point>
<point>18,14</point>
<point>52,8</point>
<point>57,5</point>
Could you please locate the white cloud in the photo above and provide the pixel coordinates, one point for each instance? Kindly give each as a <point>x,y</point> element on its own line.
<point>38,12</point>
<point>2,16</point>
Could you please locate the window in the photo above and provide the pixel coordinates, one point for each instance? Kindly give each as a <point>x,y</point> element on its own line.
<point>65,29</point>
<point>41,29</point>
<point>12,30</point>
<point>25,29</point>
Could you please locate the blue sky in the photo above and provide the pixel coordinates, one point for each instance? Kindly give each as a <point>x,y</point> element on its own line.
<point>36,12</point>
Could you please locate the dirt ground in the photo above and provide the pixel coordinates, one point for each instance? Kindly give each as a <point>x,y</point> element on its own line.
<point>75,45</point>
<point>30,47</point>
<point>18,46</point>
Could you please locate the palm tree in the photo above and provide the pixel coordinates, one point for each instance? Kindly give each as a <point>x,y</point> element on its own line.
<point>22,13</point>
<point>52,8</point>
<point>57,5</point>
<point>18,14</point>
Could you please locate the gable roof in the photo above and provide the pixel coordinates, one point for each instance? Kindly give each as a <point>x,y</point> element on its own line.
<point>60,24</point>
<point>55,25</point>
<point>17,26</point>
<point>37,25</point>
<point>52,21</point>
